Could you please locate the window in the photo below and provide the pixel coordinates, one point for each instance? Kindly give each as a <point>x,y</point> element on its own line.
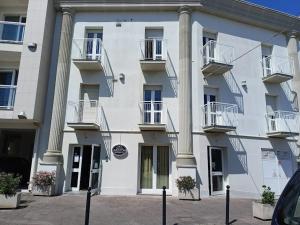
<point>266,59</point>
<point>8,84</point>
<point>152,105</point>
<point>209,47</point>
<point>154,44</point>
<point>13,29</point>
<point>93,44</point>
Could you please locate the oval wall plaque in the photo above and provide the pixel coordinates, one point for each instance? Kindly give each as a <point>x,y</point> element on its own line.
<point>119,151</point>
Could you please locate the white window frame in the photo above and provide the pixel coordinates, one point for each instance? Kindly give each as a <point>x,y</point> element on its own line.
<point>12,86</point>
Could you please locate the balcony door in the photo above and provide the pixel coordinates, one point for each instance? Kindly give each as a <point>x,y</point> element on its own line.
<point>211,115</point>
<point>152,105</point>
<point>266,59</point>
<point>8,84</point>
<point>216,171</point>
<point>88,104</point>
<point>154,44</point>
<point>271,108</point>
<point>209,50</point>
<point>13,30</point>
<point>154,169</point>
<point>93,44</point>
<point>85,171</point>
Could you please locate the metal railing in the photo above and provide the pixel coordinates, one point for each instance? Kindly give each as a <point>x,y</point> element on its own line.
<point>219,114</point>
<point>274,64</point>
<point>153,49</point>
<point>152,112</point>
<point>283,121</point>
<point>11,32</point>
<point>7,96</point>
<point>87,49</point>
<point>217,52</point>
<point>84,112</point>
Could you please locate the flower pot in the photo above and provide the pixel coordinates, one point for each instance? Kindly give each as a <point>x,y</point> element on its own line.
<point>43,190</point>
<point>262,211</point>
<point>189,195</point>
<point>10,201</point>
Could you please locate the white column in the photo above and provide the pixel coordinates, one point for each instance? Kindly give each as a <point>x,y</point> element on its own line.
<point>53,154</point>
<point>185,155</point>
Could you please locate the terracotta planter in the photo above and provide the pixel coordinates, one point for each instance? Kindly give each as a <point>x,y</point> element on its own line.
<point>262,211</point>
<point>189,195</point>
<point>10,202</point>
<point>43,190</point>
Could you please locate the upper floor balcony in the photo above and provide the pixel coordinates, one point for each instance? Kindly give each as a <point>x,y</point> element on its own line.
<point>154,54</point>
<point>217,58</point>
<point>277,69</point>
<point>282,124</point>
<point>153,116</point>
<point>219,117</point>
<point>7,96</point>
<point>84,115</point>
<point>87,53</point>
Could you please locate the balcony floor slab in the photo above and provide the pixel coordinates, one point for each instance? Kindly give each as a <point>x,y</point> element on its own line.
<point>282,134</point>
<point>215,68</point>
<point>277,78</point>
<point>153,65</point>
<point>84,64</point>
<point>218,129</point>
<point>84,126</point>
<point>152,127</point>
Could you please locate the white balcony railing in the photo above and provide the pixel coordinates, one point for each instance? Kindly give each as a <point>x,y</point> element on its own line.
<point>11,32</point>
<point>283,121</point>
<point>152,113</point>
<point>217,52</point>
<point>84,112</point>
<point>153,49</point>
<point>219,114</point>
<point>87,49</point>
<point>7,96</point>
<point>277,65</point>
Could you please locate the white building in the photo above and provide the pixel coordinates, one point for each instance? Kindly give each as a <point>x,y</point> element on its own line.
<point>25,51</point>
<point>200,88</point>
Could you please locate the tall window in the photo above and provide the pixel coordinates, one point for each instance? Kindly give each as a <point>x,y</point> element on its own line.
<point>8,84</point>
<point>93,44</point>
<point>152,106</point>
<point>154,44</point>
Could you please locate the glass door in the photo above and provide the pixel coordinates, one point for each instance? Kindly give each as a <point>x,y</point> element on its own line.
<point>210,110</point>
<point>152,107</point>
<point>76,168</point>
<point>155,169</point>
<point>93,45</point>
<point>216,171</point>
<point>95,168</point>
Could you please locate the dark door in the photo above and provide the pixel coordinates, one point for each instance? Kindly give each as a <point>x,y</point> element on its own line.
<point>85,168</point>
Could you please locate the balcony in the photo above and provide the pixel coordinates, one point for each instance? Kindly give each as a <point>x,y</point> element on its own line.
<point>282,124</point>
<point>7,97</point>
<point>217,58</point>
<point>219,117</point>
<point>153,54</point>
<point>153,116</point>
<point>277,69</point>
<point>84,115</point>
<point>87,53</point>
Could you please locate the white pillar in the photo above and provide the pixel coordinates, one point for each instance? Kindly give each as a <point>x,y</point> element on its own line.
<point>185,155</point>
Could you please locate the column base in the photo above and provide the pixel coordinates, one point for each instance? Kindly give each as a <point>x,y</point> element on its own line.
<point>53,157</point>
<point>185,161</point>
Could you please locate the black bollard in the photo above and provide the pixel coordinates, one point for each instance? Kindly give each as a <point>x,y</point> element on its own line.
<point>227,204</point>
<point>164,218</point>
<point>87,207</point>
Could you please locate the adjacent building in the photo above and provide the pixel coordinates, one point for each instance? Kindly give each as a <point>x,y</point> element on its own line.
<point>141,93</point>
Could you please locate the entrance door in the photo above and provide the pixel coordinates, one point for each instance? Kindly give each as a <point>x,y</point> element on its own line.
<point>216,172</point>
<point>85,167</point>
<point>277,169</point>
<point>93,44</point>
<point>155,169</point>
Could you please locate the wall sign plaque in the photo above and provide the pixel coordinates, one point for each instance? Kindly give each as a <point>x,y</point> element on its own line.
<point>119,151</point>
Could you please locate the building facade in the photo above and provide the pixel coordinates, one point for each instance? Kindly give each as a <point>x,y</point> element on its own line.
<point>141,93</point>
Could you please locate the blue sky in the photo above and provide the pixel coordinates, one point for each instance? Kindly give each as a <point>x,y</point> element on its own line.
<point>289,6</point>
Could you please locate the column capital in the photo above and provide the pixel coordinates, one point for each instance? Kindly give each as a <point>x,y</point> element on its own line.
<point>185,9</point>
<point>293,34</point>
<point>67,10</point>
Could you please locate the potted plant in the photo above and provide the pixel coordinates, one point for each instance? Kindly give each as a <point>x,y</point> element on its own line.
<point>186,187</point>
<point>9,198</point>
<point>43,183</point>
<point>264,208</point>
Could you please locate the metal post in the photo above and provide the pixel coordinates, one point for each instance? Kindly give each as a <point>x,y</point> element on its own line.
<point>87,208</point>
<point>164,220</point>
<point>227,204</point>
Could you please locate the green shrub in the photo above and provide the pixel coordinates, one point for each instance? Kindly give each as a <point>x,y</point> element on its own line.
<point>267,197</point>
<point>185,183</point>
<point>9,183</point>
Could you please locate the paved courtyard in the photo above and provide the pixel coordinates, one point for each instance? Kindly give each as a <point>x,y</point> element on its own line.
<point>140,210</point>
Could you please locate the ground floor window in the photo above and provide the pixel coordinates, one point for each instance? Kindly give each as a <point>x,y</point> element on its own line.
<point>155,168</point>
<point>85,167</point>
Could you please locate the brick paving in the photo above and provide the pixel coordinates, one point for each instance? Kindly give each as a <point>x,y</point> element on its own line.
<point>137,210</point>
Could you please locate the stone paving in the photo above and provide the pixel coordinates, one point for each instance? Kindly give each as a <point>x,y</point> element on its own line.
<point>137,210</point>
